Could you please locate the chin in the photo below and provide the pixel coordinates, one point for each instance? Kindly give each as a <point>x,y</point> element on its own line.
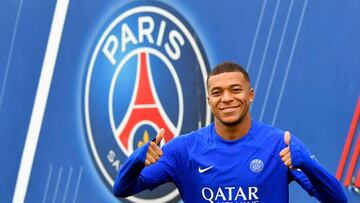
<point>231,122</point>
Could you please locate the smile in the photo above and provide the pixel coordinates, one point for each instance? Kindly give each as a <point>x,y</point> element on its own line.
<point>228,109</point>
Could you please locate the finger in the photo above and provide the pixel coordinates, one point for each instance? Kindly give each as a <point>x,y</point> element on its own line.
<point>157,150</point>
<point>159,136</point>
<point>287,138</point>
<point>147,162</point>
<point>150,159</point>
<point>284,151</point>
<point>286,157</point>
<point>153,154</point>
<point>288,162</point>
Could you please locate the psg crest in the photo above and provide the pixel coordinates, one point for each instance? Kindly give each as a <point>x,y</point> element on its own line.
<point>146,71</point>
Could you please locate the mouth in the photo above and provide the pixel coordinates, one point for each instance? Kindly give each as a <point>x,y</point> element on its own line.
<point>229,109</point>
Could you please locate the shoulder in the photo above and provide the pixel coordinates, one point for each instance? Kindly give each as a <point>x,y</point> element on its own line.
<point>263,131</point>
<point>191,141</point>
<point>268,137</point>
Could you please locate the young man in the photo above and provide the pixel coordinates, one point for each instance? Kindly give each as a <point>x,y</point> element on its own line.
<point>234,160</point>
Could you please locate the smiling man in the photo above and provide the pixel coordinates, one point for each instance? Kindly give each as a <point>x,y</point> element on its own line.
<point>234,159</point>
<point>229,97</point>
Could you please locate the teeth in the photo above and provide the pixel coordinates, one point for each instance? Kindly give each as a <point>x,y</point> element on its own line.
<point>229,109</point>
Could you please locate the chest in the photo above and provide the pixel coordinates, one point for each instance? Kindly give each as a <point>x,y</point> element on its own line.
<point>240,174</point>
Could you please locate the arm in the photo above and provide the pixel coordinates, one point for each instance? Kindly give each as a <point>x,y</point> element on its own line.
<point>130,180</point>
<point>325,187</point>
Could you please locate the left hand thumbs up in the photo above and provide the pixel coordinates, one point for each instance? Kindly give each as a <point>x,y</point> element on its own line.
<point>285,154</point>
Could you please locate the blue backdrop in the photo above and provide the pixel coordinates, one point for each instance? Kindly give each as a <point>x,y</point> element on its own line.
<point>302,56</point>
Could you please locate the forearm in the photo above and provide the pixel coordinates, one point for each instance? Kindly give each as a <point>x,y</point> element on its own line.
<point>328,188</point>
<point>128,180</point>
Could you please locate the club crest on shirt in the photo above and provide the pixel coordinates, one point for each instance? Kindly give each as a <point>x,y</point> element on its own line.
<point>256,165</point>
<point>146,71</point>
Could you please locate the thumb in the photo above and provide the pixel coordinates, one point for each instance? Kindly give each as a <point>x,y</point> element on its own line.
<point>159,136</point>
<point>287,138</point>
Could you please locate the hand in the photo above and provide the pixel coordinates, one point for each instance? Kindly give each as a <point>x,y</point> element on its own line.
<point>285,153</point>
<point>154,151</point>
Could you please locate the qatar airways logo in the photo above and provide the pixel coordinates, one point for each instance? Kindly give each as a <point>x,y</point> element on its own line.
<point>231,194</point>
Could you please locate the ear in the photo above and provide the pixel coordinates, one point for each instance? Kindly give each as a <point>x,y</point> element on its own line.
<point>252,95</point>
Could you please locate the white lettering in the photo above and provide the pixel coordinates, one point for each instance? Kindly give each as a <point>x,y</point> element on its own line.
<point>116,164</point>
<point>126,36</point>
<point>240,197</point>
<point>208,198</point>
<point>220,193</point>
<point>112,42</point>
<point>111,156</point>
<point>174,38</point>
<point>240,193</point>
<point>161,33</point>
<point>146,31</point>
<point>230,192</point>
<point>253,193</point>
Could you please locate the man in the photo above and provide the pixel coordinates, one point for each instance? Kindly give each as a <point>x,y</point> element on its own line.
<point>234,160</point>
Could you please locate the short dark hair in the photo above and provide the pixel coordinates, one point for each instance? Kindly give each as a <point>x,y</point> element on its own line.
<point>228,67</point>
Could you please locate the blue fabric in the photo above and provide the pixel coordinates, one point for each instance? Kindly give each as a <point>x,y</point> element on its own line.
<point>128,181</point>
<point>207,168</point>
<point>327,187</point>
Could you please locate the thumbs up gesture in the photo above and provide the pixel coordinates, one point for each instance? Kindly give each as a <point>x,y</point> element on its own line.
<point>285,153</point>
<point>154,151</point>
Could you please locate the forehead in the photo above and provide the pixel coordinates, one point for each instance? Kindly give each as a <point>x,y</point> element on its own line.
<point>227,79</point>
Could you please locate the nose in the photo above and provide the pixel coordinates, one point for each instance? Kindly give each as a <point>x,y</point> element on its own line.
<point>226,97</point>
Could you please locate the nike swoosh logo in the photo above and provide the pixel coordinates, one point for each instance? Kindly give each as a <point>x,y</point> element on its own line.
<point>205,169</point>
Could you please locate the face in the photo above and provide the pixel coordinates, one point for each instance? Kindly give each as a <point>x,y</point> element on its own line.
<point>229,97</point>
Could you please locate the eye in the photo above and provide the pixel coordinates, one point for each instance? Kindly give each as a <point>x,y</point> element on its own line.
<point>215,93</point>
<point>237,90</point>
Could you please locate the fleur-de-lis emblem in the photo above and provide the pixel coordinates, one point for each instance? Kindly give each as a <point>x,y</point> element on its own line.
<point>145,139</point>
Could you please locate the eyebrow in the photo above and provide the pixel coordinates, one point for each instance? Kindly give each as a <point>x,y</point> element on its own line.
<point>214,88</point>
<point>231,86</point>
<point>236,85</point>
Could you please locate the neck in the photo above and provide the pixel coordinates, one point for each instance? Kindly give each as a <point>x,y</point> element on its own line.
<point>233,131</point>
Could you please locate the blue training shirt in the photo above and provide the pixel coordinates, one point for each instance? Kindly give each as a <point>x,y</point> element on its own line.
<point>206,168</point>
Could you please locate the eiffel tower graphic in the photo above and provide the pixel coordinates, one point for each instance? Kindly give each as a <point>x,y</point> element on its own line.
<point>145,108</point>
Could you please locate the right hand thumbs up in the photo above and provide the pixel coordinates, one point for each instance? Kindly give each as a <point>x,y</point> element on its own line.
<point>154,151</point>
<point>159,136</point>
